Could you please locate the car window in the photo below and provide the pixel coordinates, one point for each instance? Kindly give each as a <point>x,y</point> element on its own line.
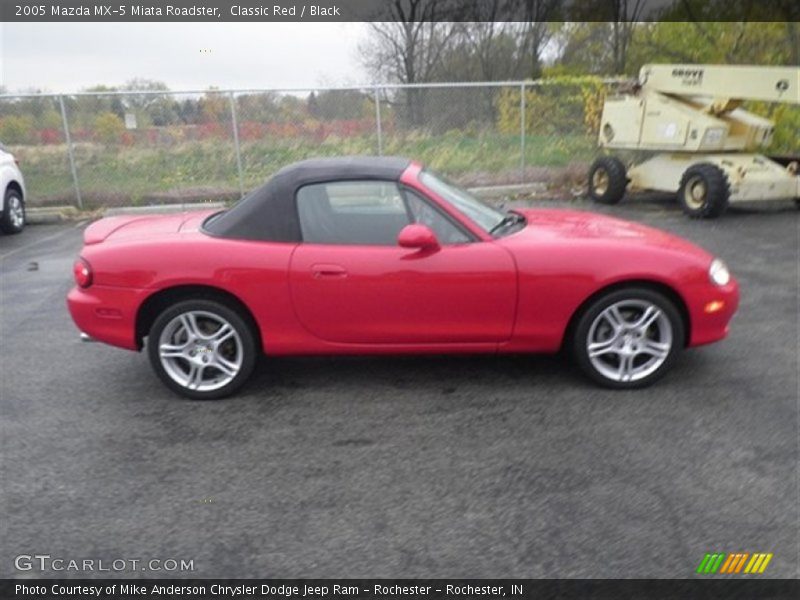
<point>351,212</point>
<point>483,215</point>
<point>364,197</point>
<point>422,212</point>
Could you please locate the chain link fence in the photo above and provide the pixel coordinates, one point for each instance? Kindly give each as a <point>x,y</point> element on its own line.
<point>145,148</point>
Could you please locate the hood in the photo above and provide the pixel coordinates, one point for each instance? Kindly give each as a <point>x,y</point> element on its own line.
<point>126,227</point>
<point>572,225</point>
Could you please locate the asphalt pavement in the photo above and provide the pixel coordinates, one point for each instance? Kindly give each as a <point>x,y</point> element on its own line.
<point>406,467</point>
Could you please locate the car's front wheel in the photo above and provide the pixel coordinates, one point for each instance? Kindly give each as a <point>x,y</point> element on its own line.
<point>12,219</point>
<point>628,338</point>
<point>202,349</point>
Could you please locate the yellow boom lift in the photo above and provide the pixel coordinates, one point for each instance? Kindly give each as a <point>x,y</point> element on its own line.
<point>698,141</point>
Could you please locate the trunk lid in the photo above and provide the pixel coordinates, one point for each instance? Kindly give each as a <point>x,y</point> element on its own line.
<point>139,226</point>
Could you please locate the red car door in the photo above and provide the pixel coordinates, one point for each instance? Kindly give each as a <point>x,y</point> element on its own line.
<point>351,283</point>
<point>390,295</point>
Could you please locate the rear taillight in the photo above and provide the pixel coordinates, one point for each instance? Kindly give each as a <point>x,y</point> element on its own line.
<point>82,272</point>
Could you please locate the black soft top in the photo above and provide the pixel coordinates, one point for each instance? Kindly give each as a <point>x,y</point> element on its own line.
<point>269,213</point>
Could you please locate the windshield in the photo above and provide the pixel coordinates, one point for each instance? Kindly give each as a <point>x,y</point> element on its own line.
<point>484,216</point>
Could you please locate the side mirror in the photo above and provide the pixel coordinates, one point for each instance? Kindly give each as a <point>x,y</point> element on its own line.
<point>417,236</point>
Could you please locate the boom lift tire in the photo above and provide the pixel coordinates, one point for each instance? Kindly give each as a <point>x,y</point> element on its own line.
<point>704,191</point>
<point>607,180</point>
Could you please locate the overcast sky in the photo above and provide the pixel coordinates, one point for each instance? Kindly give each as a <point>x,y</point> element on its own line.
<point>65,57</point>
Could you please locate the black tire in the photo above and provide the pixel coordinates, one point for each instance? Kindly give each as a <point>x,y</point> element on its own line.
<point>607,180</point>
<point>589,325</point>
<point>210,312</point>
<point>704,191</point>
<point>13,205</point>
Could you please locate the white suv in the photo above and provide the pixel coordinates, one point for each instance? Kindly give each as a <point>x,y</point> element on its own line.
<point>12,194</point>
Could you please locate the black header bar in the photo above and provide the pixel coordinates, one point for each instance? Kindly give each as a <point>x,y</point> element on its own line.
<point>63,11</point>
<point>383,589</point>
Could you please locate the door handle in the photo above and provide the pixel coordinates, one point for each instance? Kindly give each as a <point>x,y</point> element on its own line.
<point>328,271</point>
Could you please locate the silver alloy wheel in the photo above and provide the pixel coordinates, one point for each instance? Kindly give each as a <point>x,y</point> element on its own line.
<point>15,212</point>
<point>200,351</point>
<point>629,340</point>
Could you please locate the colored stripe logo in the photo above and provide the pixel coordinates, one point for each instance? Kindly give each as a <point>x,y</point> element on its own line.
<point>734,563</point>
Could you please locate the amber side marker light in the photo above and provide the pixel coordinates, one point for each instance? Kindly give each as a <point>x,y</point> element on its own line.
<point>714,306</point>
<point>82,273</point>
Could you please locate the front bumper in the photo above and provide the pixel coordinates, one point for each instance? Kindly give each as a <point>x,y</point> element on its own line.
<point>710,312</point>
<point>107,314</point>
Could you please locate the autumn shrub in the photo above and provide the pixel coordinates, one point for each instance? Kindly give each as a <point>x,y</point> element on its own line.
<point>16,129</point>
<point>108,128</point>
<point>560,105</point>
<point>51,136</point>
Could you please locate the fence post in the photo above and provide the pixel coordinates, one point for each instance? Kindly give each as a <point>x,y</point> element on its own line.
<point>522,129</point>
<point>378,126</point>
<point>70,152</point>
<point>235,126</point>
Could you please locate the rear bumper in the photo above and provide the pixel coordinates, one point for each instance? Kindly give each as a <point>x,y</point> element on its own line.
<point>107,314</point>
<point>710,312</point>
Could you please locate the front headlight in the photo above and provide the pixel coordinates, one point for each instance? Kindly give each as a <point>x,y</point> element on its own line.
<point>718,273</point>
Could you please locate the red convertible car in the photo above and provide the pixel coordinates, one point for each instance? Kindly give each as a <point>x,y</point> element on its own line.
<point>382,256</point>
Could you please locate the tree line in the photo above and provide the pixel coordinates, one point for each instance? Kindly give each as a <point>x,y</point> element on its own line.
<point>415,48</point>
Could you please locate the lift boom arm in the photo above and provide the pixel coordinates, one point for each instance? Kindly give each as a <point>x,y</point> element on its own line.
<point>724,82</point>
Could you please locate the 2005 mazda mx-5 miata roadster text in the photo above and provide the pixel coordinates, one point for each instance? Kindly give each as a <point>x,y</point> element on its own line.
<point>381,256</point>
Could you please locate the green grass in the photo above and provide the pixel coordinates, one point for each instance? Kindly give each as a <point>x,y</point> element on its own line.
<point>116,175</point>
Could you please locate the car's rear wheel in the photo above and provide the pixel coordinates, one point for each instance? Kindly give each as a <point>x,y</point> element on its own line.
<point>628,338</point>
<point>13,218</point>
<point>202,349</point>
